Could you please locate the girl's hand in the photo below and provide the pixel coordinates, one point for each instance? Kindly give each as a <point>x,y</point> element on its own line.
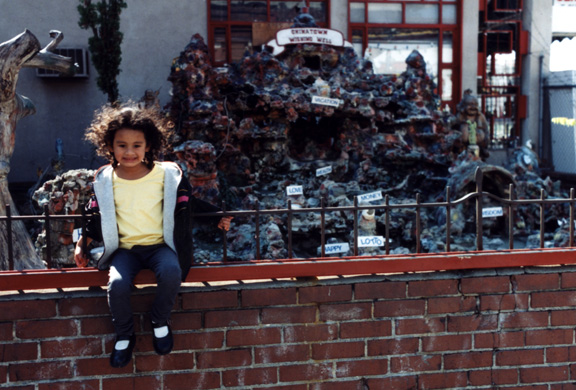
<point>224,223</point>
<point>79,256</point>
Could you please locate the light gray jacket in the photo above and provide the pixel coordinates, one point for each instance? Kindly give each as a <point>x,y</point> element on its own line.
<point>104,192</point>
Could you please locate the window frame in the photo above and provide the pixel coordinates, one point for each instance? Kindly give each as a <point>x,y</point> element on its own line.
<point>455,29</point>
<point>229,24</point>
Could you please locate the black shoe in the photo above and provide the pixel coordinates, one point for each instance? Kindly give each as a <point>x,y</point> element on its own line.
<point>163,345</point>
<point>120,358</point>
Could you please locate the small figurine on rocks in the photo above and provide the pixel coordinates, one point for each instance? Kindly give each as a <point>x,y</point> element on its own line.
<point>473,125</point>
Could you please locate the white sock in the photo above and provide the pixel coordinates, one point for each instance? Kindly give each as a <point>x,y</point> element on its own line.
<point>161,332</point>
<point>121,345</point>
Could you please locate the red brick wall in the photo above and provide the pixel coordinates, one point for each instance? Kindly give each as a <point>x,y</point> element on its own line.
<point>511,330</point>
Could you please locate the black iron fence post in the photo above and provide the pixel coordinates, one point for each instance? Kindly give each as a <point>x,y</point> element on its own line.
<point>479,206</point>
<point>542,218</point>
<point>322,228</point>
<point>571,221</point>
<point>47,228</point>
<point>448,220</point>
<point>511,217</point>
<point>257,234</point>
<point>417,227</point>
<point>83,232</point>
<point>224,238</point>
<point>355,210</point>
<point>387,220</point>
<point>9,237</point>
<point>289,227</point>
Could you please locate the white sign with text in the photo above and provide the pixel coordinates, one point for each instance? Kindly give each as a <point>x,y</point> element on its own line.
<point>294,190</point>
<point>341,247</point>
<point>370,197</point>
<point>324,101</point>
<point>370,241</point>
<point>76,233</point>
<point>318,36</point>
<point>324,170</point>
<point>492,212</point>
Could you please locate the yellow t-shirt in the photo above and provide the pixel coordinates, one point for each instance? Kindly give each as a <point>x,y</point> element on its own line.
<point>139,208</point>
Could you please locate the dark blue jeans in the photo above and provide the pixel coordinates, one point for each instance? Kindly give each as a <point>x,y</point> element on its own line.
<point>125,265</point>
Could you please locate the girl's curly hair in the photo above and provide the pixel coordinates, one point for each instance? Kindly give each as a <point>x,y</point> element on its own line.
<point>130,115</point>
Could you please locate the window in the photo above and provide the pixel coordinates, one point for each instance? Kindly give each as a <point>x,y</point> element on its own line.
<point>507,5</point>
<point>500,47</point>
<point>237,26</point>
<point>388,48</point>
<point>387,31</point>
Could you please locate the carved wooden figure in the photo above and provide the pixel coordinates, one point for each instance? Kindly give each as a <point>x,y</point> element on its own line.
<point>23,50</point>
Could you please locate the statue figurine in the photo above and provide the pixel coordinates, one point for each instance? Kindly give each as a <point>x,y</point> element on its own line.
<point>22,51</point>
<point>150,98</point>
<point>473,126</point>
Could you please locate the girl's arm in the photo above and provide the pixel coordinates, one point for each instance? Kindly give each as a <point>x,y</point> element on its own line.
<point>93,232</point>
<point>193,205</point>
<point>199,206</point>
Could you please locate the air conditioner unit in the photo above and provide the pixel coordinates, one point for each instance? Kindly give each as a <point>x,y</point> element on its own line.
<point>79,57</point>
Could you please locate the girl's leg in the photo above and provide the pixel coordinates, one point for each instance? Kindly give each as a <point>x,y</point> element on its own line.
<point>123,268</point>
<point>164,263</point>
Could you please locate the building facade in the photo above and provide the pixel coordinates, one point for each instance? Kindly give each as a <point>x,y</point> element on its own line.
<point>499,49</point>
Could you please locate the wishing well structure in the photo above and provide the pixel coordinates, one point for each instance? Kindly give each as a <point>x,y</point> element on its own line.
<point>306,114</point>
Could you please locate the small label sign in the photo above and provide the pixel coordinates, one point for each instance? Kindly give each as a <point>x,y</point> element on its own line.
<point>76,233</point>
<point>342,247</point>
<point>370,197</point>
<point>294,190</point>
<point>370,241</point>
<point>492,212</point>
<point>324,101</point>
<point>324,170</point>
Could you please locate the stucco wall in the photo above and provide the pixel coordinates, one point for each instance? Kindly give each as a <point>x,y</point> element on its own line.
<point>538,21</point>
<point>339,16</point>
<point>469,47</point>
<point>154,33</point>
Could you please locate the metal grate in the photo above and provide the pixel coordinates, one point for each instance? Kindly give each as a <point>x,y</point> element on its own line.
<point>79,58</point>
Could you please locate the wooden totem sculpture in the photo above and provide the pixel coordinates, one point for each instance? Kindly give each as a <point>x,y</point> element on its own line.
<point>23,50</point>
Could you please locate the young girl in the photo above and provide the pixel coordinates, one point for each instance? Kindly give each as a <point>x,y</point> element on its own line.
<point>141,211</point>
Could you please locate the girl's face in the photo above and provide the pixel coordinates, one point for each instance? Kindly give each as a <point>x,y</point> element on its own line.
<point>129,147</point>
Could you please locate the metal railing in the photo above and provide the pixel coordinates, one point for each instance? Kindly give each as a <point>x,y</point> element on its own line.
<point>357,263</point>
